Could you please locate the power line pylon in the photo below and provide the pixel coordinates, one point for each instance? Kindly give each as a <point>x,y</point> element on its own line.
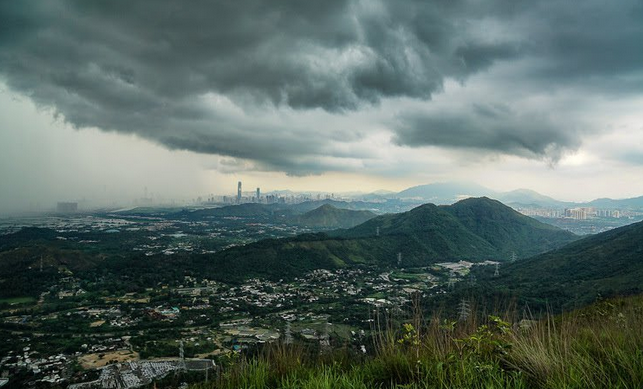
<point>464,310</point>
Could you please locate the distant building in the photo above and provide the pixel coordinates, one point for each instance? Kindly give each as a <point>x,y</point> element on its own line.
<point>258,195</point>
<point>239,192</point>
<point>67,207</point>
<point>577,213</point>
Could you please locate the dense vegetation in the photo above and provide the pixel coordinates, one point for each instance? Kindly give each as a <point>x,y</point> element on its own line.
<point>605,265</point>
<point>328,216</point>
<point>508,230</point>
<point>474,229</point>
<point>277,212</point>
<point>599,346</point>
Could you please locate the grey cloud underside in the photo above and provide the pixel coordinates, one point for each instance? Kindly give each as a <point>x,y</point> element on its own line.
<point>146,67</point>
<point>590,47</point>
<point>491,128</point>
<point>334,55</point>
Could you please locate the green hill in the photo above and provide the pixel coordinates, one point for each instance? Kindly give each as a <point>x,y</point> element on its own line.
<point>507,230</point>
<point>610,263</point>
<point>241,210</point>
<point>471,228</point>
<point>32,258</point>
<point>327,216</point>
<point>286,213</point>
<point>422,236</point>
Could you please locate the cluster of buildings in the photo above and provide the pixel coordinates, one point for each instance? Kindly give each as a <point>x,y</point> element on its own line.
<point>67,207</point>
<point>256,196</point>
<point>135,374</point>
<point>304,306</point>
<point>50,369</point>
<point>584,213</point>
<point>578,213</point>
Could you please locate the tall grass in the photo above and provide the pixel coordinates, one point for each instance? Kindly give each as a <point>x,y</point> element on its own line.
<point>600,346</point>
<point>597,347</point>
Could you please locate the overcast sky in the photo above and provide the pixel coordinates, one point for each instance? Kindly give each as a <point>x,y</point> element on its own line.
<point>99,100</point>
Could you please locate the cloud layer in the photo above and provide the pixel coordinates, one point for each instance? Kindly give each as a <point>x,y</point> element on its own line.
<point>283,85</point>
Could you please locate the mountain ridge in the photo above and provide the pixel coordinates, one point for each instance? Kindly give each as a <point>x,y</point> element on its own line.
<point>425,235</point>
<point>601,265</point>
<point>328,216</point>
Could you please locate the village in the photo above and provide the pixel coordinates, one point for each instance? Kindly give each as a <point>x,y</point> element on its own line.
<point>201,319</point>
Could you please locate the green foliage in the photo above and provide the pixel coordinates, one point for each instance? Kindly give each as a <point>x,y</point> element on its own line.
<point>507,230</point>
<point>474,229</point>
<point>410,336</point>
<point>328,216</point>
<point>596,347</point>
<point>598,266</point>
<point>488,344</point>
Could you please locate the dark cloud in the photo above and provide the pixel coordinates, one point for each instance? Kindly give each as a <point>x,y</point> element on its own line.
<point>587,40</point>
<point>332,55</point>
<point>485,127</point>
<point>148,67</point>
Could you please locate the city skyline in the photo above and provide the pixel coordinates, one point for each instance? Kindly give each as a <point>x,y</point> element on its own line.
<point>345,96</point>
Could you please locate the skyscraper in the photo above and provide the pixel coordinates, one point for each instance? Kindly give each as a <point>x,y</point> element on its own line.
<point>67,207</point>
<point>239,192</point>
<point>258,195</point>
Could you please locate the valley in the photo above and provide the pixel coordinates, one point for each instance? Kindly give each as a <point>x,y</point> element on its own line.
<point>82,292</point>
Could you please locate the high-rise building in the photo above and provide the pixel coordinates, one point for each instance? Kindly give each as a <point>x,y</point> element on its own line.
<point>67,207</point>
<point>576,213</point>
<point>258,195</point>
<point>239,192</point>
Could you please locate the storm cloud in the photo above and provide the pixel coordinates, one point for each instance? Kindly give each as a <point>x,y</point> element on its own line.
<point>281,84</point>
<point>496,129</point>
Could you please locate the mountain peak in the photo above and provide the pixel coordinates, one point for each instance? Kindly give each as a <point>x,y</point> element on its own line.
<point>329,216</point>
<point>444,192</point>
<point>484,202</point>
<point>479,200</point>
<point>325,207</point>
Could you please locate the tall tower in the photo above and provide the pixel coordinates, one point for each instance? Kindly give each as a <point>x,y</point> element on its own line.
<point>181,357</point>
<point>258,195</point>
<point>288,333</point>
<point>464,310</point>
<point>239,192</point>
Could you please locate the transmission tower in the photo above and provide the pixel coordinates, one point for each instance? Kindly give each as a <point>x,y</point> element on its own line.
<point>41,263</point>
<point>182,357</point>
<point>472,279</point>
<point>324,339</point>
<point>464,310</point>
<point>377,231</point>
<point>399,259</point>
<point>513,256</point>
<point>207,368</point>
<point>496,273</point>
<point>288,334</point>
